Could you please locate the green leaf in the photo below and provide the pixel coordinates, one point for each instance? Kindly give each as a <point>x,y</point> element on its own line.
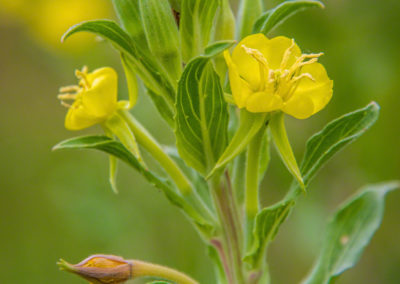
<point>274,17</point>
<point>321,147</point>
<point>267,224</point>
<point>201,116</point>
<point>249,125</point>
<point>163,108</point>
<point>249,10</point>
<point>218,47</point>
<point>128,12</point>
<point>349,232</point>
<point>115,148</point>
<point>278,131</point>
<point>162,36</point>
<point>106,29</point>
<point>195,25</point>
<point>334,136</point>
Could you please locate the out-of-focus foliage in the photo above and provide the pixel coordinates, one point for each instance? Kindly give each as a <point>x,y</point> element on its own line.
<point>60,204</point>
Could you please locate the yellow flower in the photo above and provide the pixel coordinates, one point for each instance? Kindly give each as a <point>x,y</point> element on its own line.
<point>272,74</point>
<point>95,98</point>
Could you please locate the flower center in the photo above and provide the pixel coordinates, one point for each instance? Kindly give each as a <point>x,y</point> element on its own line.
<point>284,80</point>
<point>74,92</point>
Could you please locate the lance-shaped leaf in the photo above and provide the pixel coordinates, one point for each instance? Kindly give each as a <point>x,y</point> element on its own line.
<point>106,29</point>
<point>195,25</point>
<point>266,227</point>
<point>115,148</point>
<point>274,17</point>
<point>128,12</point>
<point>349,232</point>
<point>249,125</point>
<point>278,131</point>
<point>320,148</point>
<point>201,115</point>
<point>249,10</point>
<point>333,137</point>
<point>143,64</point>
<point>162,36</point>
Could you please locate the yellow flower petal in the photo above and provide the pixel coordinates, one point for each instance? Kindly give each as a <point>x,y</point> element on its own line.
<point>274,51</point>
<point>100,99</point>
<point>240,88</point>
<point>311,95</point>
<point>248,66</point>
<point>263,102</point>
<point>77,119</point>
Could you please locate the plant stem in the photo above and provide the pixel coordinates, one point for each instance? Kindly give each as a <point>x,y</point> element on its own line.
<point>145,139</point>
<point>230,229</point>
<point>146,269</point>
<point>252,203</point>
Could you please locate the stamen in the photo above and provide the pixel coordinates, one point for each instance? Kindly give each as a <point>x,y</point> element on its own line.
<point>64,104</point>
<point>286,55</point>
<point>304,75</point>
<point>256,54</point>
<point>67,96</point>
<point>82,74</point>
<point>67,89</point>
<point>307,56</point>
<point>262,61</point>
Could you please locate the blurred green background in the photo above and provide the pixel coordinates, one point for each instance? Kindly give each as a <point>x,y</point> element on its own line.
<point>59,204</point>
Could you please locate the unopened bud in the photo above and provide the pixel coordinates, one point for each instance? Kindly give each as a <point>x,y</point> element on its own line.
<point>100,269</point>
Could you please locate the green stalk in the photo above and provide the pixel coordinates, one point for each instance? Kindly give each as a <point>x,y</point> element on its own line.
<point>146,269</point>
<point>230,230</point>
<point>252,203</point>
<point>145,139</point>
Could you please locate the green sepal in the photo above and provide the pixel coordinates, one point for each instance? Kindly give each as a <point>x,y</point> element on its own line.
<point>281,141</point>
<point>276,16</point>
<point>195,26</point>
<point>349,232</point>
<point>113,164</point>
<point>201,116</point>
<point>162,36</point>
<point>115,148</point>
<point>131,81</point>
<point>249,11</point>
<point>118,127</point>
<point>249,125</point>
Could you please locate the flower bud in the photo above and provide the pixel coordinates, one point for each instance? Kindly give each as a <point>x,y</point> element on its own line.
<point>99,269</point>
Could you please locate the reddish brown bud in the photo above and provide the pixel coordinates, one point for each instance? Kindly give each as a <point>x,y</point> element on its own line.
<point>101,269</point>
